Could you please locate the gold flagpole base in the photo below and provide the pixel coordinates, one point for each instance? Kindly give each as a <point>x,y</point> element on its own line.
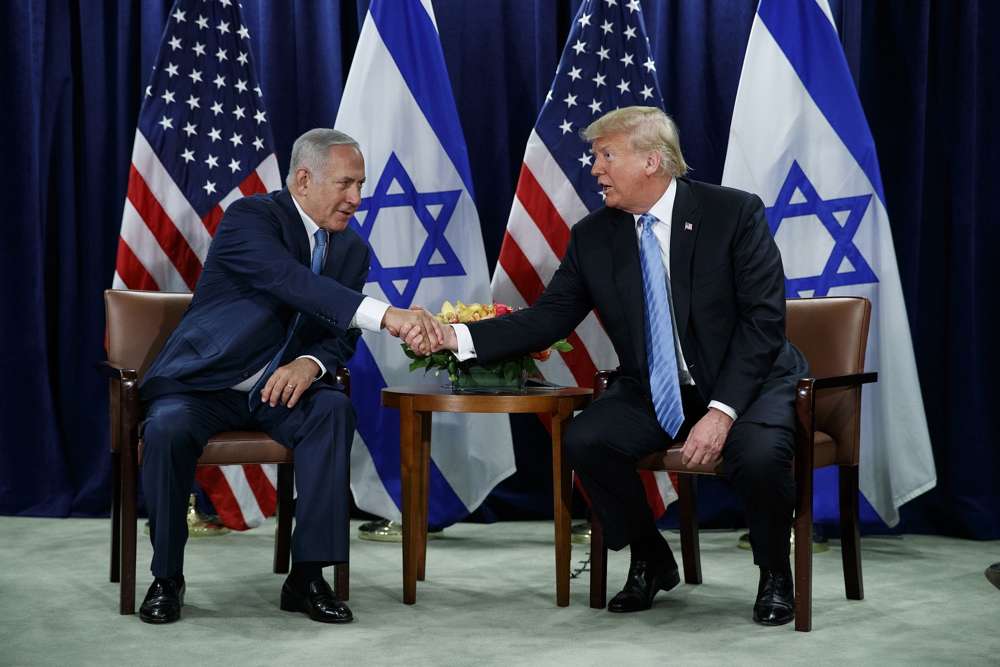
<point>198,524</point>
<point>384,530</point>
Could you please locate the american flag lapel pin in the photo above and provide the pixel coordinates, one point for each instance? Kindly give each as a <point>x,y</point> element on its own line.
<point>688,227</point>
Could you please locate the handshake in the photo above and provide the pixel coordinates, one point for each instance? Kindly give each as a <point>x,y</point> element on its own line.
<point>420,330</point>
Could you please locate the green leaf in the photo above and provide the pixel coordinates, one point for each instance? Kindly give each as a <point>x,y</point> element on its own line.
<point>562,346</point>
<point>418,363</point>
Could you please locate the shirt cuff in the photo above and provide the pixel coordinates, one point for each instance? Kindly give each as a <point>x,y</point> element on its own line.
<point>322,368</point>
<point>369,315</point>
<point>466,350</point>
<point>724,408</point>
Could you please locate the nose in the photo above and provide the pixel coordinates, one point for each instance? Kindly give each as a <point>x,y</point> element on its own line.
<point>354,196</point>
<point>598,167</point>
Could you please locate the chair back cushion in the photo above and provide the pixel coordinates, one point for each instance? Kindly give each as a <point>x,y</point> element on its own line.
<point>832,332</point>
<point>139,323</point>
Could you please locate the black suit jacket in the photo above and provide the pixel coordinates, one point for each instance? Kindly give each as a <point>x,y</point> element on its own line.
<point>727,285</point>
<point>256,276</point>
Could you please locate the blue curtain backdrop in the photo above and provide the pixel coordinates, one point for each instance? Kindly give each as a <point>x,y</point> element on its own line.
<point>74,71</point>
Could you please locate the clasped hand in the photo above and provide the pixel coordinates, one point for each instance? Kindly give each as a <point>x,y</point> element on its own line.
<point>416,327</point>
<point>704,442</point>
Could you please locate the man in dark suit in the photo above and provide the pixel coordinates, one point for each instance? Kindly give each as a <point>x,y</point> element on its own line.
<point>689,285</point>
<point>277,307</point>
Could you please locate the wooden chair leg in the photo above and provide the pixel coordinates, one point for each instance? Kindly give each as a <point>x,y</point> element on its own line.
<point>116,517</point>
<point>341,581</point>
<point>286,510</point>
<point>598,565</point>
<point>126,602</point>
<point>803,545</point>
<point>850,533</point>
<point>690,548</point>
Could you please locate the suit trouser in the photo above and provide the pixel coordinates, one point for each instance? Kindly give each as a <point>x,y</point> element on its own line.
<point>320,428</point>
<point>606,440</point>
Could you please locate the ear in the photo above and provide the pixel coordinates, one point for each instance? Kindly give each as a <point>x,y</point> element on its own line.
<point>302,180</point>
<point>653,161</point>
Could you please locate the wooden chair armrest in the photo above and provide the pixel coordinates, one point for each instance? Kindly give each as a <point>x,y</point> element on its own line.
<point>343,377</point>
<point>839,381</point>
<point>114,372</point>
<point>602,379</point>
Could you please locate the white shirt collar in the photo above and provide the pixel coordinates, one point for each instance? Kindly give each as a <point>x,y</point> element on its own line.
<point>307,222</point>
<point>663,208</point>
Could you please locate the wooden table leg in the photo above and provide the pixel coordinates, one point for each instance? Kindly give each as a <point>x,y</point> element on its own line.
<point>411,469</point>
<point>561,499</point>
<point>425,467</point>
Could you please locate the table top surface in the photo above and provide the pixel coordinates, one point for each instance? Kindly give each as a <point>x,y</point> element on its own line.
<point>431,398</point>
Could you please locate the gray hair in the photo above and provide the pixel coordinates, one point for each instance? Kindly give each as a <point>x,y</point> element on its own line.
<point>649,129</point>
<point>312,151</point>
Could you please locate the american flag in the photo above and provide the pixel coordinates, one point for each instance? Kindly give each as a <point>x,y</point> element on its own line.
<point>202,142</point>
<point>606,65</point>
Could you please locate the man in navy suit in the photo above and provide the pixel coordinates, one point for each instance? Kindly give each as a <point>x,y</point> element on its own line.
<point>277,307</point>
<point>689,285</point>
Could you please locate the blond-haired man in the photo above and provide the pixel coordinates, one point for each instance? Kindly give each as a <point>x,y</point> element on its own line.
<point>689,286</point>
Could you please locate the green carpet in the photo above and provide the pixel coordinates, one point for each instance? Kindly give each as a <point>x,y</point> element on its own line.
<point>489,599</point>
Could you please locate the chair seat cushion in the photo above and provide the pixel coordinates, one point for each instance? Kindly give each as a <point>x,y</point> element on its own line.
<point>238,447</point>
<point>824,454</point>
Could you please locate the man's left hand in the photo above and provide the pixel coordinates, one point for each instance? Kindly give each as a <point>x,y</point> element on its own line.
<point>287,384</point>
<point>704,442</point>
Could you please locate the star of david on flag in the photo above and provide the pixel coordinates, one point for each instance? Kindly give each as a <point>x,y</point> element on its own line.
<point>845,265</point>
<point>799,139</point>
<point>419,218</point>
<point>405,195</point>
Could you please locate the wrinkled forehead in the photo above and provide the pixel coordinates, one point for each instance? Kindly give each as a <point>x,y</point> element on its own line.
<point>346,159</point>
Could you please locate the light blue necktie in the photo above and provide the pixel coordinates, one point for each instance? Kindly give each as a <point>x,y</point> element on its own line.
<point>319,253</point>
<point>661,353</point>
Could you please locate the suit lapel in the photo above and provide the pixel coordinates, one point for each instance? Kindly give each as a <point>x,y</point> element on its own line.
<point>294,230</point>
<point>628,280</point>
<point>683,233</point>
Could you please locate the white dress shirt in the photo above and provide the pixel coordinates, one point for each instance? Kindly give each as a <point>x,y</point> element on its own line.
<point>663,210</point>
<point>368,315</point>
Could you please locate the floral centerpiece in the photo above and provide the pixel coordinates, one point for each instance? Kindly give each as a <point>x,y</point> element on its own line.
<point>508,374</point>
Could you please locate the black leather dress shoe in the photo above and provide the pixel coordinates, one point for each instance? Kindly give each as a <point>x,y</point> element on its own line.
<point>775,598</point>
<point>317,600</point>
<point>163,601</point>
<point>644,580</point>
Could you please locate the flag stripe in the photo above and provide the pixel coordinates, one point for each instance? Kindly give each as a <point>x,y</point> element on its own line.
<point>252,184</point>
<point>149,252</point>
<point>169,196</point>
<point>174,245</point>
<point>127,264</point>
<point>262,488</point>
<point>542,212</point>
<point>408,32</point>
<point>216,487</point>
<point>807,40</point>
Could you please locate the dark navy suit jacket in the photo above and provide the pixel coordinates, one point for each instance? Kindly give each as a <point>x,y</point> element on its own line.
<point>255,278</point>
<point>727,284</point>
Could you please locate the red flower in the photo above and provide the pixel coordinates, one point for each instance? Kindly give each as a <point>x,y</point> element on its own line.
<point>501,309</point>
<point>543,355</point>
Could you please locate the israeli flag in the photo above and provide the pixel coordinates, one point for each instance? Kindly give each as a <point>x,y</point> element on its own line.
<point>799,139</point>
<point>419,218</point>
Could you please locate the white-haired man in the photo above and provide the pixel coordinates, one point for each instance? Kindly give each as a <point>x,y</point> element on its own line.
<point>689,285</point>
<point>277,307</point>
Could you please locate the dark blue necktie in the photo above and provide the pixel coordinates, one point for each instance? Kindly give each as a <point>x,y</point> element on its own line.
<point>661,353</point>
<point>319,253</point>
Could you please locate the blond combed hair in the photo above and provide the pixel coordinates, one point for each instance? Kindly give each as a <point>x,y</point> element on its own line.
<point>648,129</point>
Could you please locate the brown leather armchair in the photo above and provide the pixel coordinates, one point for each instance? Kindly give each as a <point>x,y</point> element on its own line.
<point>832,332</point>
<point>138,324</point>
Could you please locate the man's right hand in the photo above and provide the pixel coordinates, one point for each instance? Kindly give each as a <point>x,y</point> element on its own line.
<point>417,327</point>
<point>450,342</point>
